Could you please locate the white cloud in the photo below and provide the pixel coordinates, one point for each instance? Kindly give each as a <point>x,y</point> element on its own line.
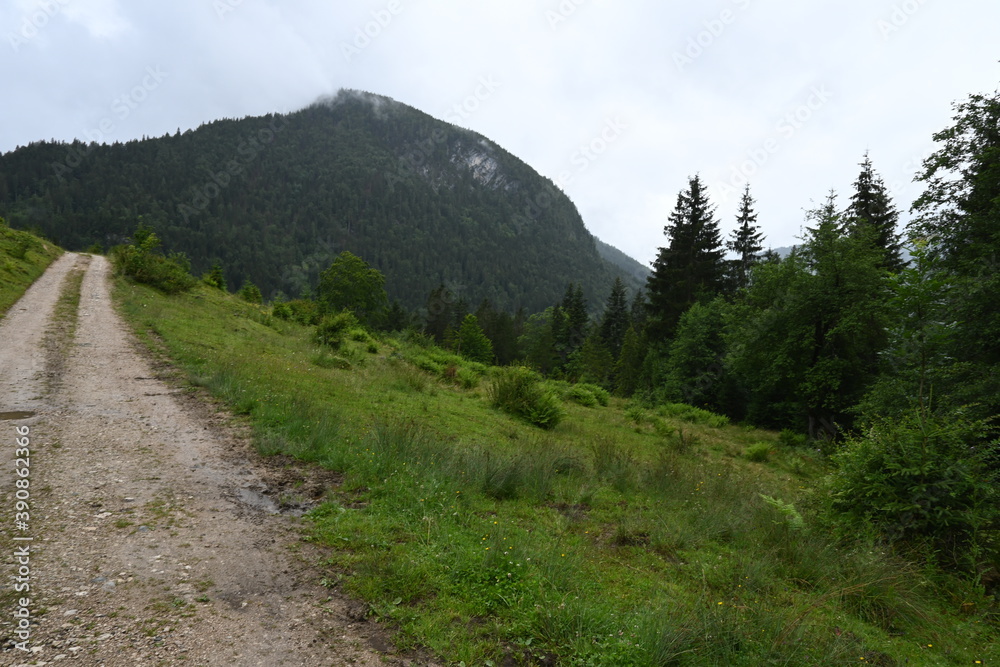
<point>559,82</point>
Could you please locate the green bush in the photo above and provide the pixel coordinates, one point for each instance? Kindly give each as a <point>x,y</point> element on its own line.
<point>692,414</point>
<point>332,328</point>
<point>359,335</point>
<point>580,394</point>
<point>304,311</point>
<point>282,310</point>
<point>250,293</point>
<point>759,452</point>
<point>215,277</point>
<point>602,395</point>
<point>920,481</point>
<point>141,262</point>
<point>518,391</point>
<point>789,438</point>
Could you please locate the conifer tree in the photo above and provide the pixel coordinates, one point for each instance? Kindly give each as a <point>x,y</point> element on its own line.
<point>615,321</point>
<point>472,342</point>
<point>574,307</point>
<point>691,267</point>
<point>872,208</point>
<point>746,242</point>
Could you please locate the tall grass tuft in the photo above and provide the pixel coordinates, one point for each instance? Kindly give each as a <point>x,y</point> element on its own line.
<point>519,392</point>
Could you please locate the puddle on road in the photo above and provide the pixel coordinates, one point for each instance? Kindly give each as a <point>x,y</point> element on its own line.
<point>261,501</point>
<point>15,415</point>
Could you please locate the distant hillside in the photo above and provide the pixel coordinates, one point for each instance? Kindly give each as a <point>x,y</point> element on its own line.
<point>276,198</point>
<point>631,269</point>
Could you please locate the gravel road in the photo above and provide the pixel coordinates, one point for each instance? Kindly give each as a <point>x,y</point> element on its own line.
<point>152,540</point>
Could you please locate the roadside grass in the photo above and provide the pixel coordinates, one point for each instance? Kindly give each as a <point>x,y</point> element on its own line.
<point>23,258</point>
<point>621,536</point>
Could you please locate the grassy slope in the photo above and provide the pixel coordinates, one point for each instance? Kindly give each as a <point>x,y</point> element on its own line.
<point>23,257</point>
<point>620,537</point>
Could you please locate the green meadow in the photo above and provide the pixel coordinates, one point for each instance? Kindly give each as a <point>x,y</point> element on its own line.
<point>23,257</point>
<point>621,535</point>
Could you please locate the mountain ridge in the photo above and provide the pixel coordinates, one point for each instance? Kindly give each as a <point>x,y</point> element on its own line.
<point>274,198</point>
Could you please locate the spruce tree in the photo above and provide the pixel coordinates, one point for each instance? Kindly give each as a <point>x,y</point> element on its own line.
<point>615,321</point>
<point>472,342</point>
<point>691,267</point>
<point>574,307</point>
<point>871,208</point>
<point>746,242</point>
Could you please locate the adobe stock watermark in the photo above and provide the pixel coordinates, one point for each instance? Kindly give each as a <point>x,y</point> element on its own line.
<point>592,151</point>
<point>440,301</point>
<point>365,34</point>
<point>585,155</point>
<point>246,153</point>
<point>899,16</point>
<point>714,28</point>
<point>33,23</point>
<point>417,155</point>
<point>786,128</point>
<point>223,7</point>
<point>471,104</point>
<point>22,539</point>
<point>121,108</point>
<point>562,13</point>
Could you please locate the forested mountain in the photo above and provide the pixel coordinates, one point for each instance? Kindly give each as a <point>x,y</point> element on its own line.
<point>274,199</point>
<point>629,267</point>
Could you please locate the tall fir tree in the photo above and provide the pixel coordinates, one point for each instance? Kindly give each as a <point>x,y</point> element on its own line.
<point>574,307</point>
<point>871,207</point>
<point>615,321</point>
<point>746,241</point>
<point>691,268</point>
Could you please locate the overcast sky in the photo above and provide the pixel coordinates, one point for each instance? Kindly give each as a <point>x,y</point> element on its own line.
<point>617,101</point>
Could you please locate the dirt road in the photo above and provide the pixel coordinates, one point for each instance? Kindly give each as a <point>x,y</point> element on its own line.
<point>150,543</point>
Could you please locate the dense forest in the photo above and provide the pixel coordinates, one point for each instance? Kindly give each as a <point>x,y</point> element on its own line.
<point>274,199</point>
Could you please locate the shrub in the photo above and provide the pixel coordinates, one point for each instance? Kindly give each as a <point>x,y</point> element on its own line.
<point>281,310</point>
<point>359,335</point>
<point>602,395</point>
<point>918,480</point>
<point>250,293</point>
<point>636,413</point>
<point>789,438</point>
<point>580,394</point>
<point>215,277</point>
<point>304,311</point>
<point>517,391</point>
<point>332,328</point>
<point>760,452</point>
<point>692,414</point>
<point>141,262</point>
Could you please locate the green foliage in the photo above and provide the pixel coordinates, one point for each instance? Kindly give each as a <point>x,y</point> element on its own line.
<point>759,452</point>
<point>690,268</point>
<point>692,415</point>
<point>807,336</point>
<point>473,343</point>
<point>351,284</point>
<point>142,262</point>
<point>518,391</point>
<point>621,549</point>
<point>215,277</point>
<point>789,514</point>
<point>628,368</point>
<point>23,257</point>
<point>250,293</point>
<point>693,371</point>
<point>789,438</point>
<point>281,310</point>
<point>918,480</point>
<point>333,329</point>
<point>746,242</point>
